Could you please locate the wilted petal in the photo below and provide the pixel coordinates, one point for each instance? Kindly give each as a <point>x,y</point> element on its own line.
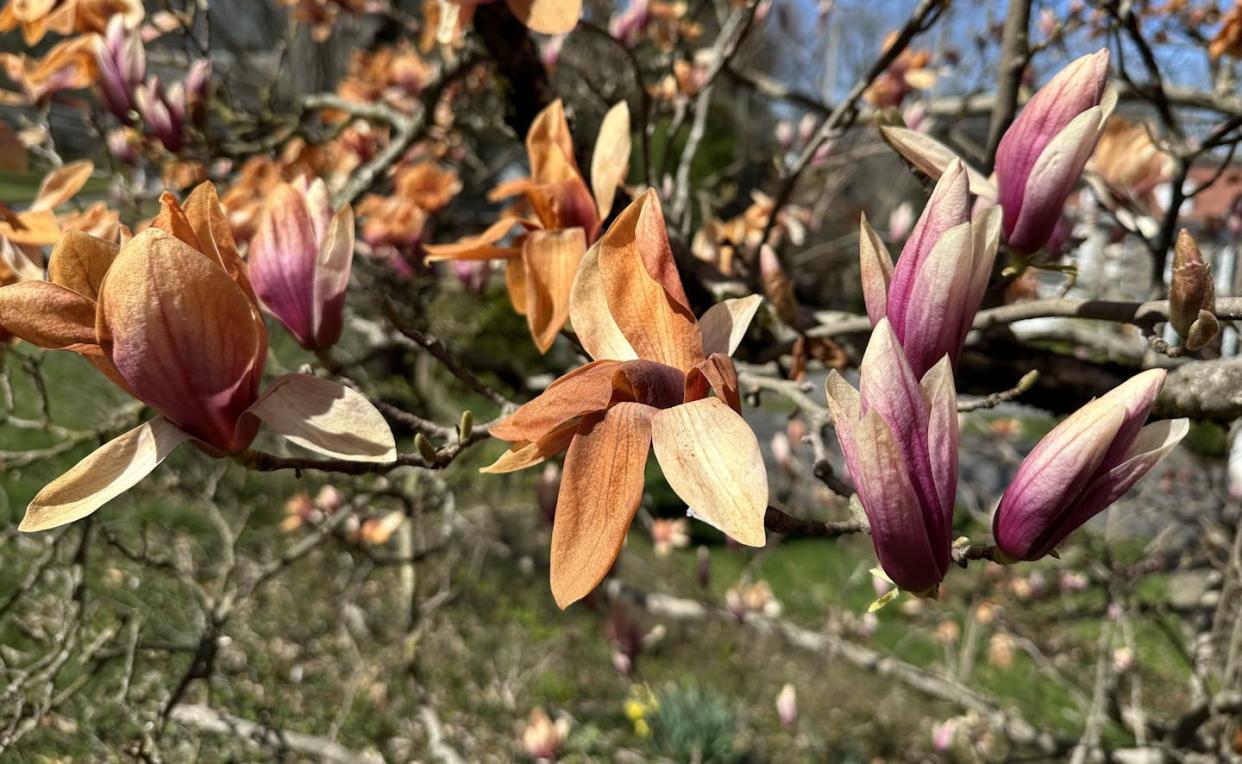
<point>523,455</point>
<point>898,528</point>
<point>585,390</point>
<point>876,265</point>
<point>111,470</point>
<point>611,160</point>
<point>593,323</point>
<point>206,215</point>
<point>711,459</point>
<point>327,418</point>
<point>547,16</point>
<point>80,261</point>
<point>49,316</point>
<point>601,488</point>
<point>718,373</point>
<point>62,184</point>
<point>35,228</point>
<point>724,324</point>
<point>515,281</point>
<point>183,336</point>
<point>643,289</point>
<point>551,261</point>
<point>485,246</point>
<point>550,145</point>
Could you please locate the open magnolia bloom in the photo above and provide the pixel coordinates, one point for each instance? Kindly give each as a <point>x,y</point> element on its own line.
<point>171,318</point>
<point>654,367</point>
<point>65,17</point>
<point>300,260</point>
<point>899,436</point>
<point>560,218</point>
<point>1085,464</point>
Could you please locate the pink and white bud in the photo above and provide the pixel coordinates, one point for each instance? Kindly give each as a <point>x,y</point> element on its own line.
<point>899,437</point>
<point>163,112</point>
<point>932,294</point>
<point>122,62</point>
<point>1085,464</point>
<point>787,706</point>
<point>1043,152</point>
<point>300,261</point>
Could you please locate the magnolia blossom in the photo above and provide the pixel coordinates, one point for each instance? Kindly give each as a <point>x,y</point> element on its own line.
<point>899,436</point>
<point>1192,294</point>
<point>932,294</point>
<point>1085,464</point>
<point>170,317</point>
<point>122,61</point>
<point>66,17</point>
<point>648,386</point>
<point>1043,152</point>
<point>300,262</point>
<point>560,220</point>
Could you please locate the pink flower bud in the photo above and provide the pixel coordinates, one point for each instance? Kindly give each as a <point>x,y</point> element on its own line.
<point>1043,152</point>
<point>787,705</point>
<point>899,437</point>
<point>932,294</point>
<point>1085,464</point>
<point>1192,295</point>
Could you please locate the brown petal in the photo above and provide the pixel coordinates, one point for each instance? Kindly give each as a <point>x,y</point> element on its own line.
<point>172,219</point>
<point>724,324</point>
<point>600,491</point>
<point>551,146</point>
<point>515,282</point>
<point>80,261</point>
<point>49,316</point>
<point>62,184</point>
<point>551,261</point>
<point>611,160</point>
<point>111,470</point>
<point>643,290</point>
<point>481,247</point>
<point>211,225</point>
<point>582,391</point>
<point>523,455</point>
<point>547,16</point>
<point>36,228</point>
<point>718,373</point>
<point>711,459</point>
<point>326,417</point>
<point>597,330</point>
<point>648,382</point>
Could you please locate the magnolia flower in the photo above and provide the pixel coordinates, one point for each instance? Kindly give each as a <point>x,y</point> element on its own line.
<point>1043,152</point>
<point>648,386</point>
<point>1129,161</point>
<point>542,737</point>
<point>122,61</point>
<point>1085,464</point>
<point>38,225</point>
<point>899,437</point>
<point>542,16</point>
<point>543,260</point>
<point>68,65</point>
<point>65,17</point>
<point>171,318</point>
<point>667,535</point>
<point>300,262</point>
<point>931,296</point>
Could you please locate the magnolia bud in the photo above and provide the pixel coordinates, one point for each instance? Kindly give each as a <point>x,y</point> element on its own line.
<point>465,428</point>
<point>425,449</point>
<point>1192,296</point>
<point>777,286</point>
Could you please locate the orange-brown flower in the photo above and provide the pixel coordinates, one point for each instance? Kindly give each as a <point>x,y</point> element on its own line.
<point>69,65</point>
<point>1228,41</point>
<point>65,17</point>
<point>171,318</point>
<point>1128,160</point>
<point>648,386</point>
<point>559,219</point>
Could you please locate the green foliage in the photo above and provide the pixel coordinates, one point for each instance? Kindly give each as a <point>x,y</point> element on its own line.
<point>694,724</point>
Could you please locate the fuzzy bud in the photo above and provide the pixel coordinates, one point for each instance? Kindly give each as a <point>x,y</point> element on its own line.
<point>1192,297</point>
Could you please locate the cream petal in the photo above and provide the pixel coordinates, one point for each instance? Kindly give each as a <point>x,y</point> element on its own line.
<point>111,470</point>
<point>327,418</point>
<point>724,324</point>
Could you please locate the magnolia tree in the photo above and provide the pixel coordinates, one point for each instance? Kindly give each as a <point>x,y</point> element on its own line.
<point>433,245</point>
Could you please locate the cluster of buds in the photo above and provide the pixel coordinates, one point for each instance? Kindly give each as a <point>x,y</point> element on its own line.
<point>133,95</point>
